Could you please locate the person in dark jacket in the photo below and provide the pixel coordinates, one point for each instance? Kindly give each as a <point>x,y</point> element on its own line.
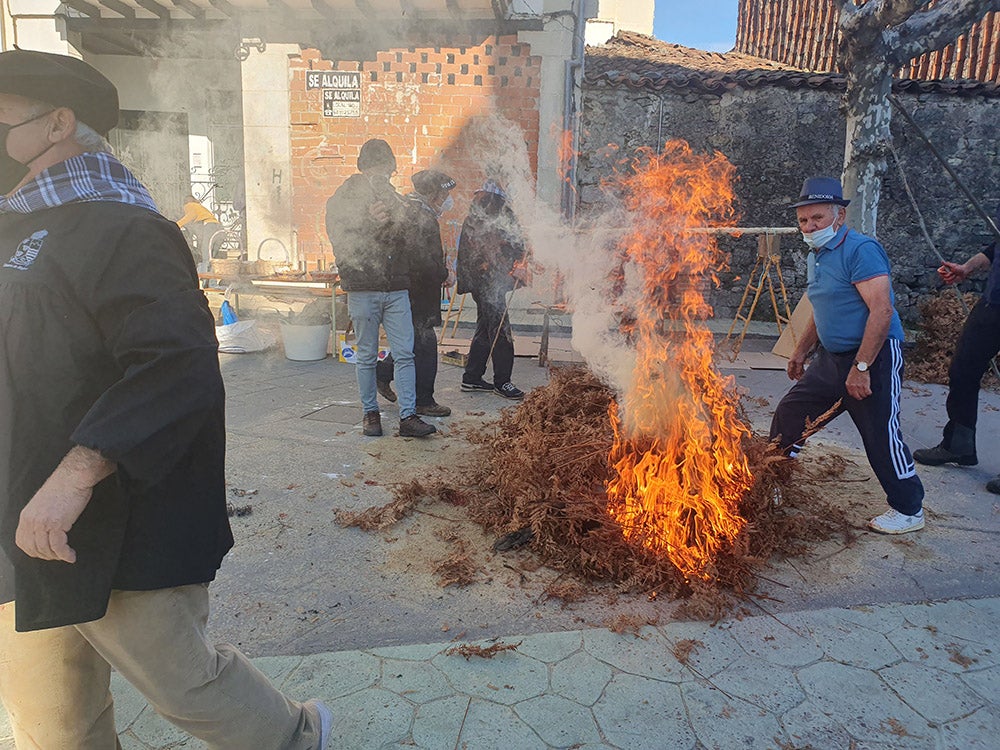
<point>490,265</point>
<point>977,345</point>
<point>428,272</point>
<point>112,442</point>
<point>367,222</point>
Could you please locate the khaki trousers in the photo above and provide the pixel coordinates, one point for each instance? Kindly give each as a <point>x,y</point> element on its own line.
<point>55,683</point>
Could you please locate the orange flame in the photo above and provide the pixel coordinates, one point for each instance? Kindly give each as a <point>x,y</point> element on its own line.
<point>566,154</point>
<point>677,449</point>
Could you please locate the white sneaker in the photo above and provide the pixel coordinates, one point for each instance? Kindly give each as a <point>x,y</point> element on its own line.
<point>325,721</point>
<point>894,522</point>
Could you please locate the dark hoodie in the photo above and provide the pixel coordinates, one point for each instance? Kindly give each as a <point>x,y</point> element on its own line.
<point>490,245</point>
<point>371,256</point>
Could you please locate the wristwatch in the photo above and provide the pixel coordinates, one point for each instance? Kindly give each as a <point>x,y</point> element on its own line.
<point>862,366</point>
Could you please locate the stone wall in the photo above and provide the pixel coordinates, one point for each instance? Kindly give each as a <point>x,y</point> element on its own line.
<point>778,136</point>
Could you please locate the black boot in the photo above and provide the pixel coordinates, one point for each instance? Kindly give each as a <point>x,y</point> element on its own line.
<point>993,486</point>
<point>958,447</point>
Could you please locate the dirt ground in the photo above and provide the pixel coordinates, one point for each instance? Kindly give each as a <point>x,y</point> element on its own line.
<point>297,582</point>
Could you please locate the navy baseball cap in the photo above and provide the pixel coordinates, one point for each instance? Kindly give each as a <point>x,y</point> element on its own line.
<point>821,190</point>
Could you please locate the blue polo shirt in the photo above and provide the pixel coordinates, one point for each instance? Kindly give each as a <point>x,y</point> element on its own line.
<point>838,309</point>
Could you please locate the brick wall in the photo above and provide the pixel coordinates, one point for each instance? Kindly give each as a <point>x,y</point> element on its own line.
<point>420,100</point>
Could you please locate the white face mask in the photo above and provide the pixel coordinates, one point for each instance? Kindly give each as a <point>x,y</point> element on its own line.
<point>449,203</point>
<point>820,237</point>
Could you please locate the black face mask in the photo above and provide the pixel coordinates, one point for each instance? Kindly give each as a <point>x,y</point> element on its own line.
<point>11,170</point>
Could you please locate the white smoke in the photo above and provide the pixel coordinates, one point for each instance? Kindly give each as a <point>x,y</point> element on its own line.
<point>582,257</point>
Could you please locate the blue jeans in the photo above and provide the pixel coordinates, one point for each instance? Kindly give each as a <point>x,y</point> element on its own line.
<point>392,310</point>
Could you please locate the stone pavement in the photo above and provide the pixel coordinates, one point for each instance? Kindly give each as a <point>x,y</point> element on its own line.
<point>915,667</point>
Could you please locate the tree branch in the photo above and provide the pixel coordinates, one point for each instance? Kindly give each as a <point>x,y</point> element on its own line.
<point>930,30</point>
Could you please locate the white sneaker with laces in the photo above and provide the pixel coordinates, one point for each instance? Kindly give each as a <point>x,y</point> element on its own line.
<point>325,721</point>
<point>894,522</point>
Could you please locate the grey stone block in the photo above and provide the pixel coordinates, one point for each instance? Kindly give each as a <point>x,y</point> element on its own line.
<point>489,726</point>
<point>551,647</point>
<point>369,719</point>
<point>976,732</point>
<point>580,678</point>
<point>859,647</point>
<point>986,682</point>
<point>558,721</point>
<point>436,725</point>
<point>506,678</point>
<point>808,726</point>
<point>761,683</point>
<point>770,639</point>
<point>643,714</point>
<point>921,644</point>
<point>725,723</point>
<point>938,696</point>
<point>418,682</point>
<point>328,676</point>
<point>648,656</point>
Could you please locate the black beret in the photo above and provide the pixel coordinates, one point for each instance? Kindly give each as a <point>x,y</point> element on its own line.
<point>429,181</point>
<point>62,81</point>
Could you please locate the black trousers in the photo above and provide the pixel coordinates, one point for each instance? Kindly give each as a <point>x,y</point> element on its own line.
<point>876,417</point>
<point>491,316</point>
<point>425,360</point>
<point>977,345</point>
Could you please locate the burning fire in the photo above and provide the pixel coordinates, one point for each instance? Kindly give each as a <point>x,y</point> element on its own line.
<point>677,449</point>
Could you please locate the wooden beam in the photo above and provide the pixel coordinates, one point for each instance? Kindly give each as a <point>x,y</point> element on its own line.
<point>88,9</point>
<point>195,11</point>
<point>281,9</point>
<point>123,10</point>
<point>325,10</point>
<point>155,8</point>
<point>119,42</point>
<point>223,7</point>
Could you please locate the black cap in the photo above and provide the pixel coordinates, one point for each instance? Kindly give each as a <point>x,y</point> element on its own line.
<point>375,153</point>
<point>821,190</point>
<point>62,81</point>
<point>430,181</point>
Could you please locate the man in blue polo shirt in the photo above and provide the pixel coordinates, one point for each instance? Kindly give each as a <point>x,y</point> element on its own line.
<point>977,345</point>
<point>855,338</point>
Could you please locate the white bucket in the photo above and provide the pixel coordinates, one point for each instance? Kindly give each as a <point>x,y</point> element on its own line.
<point>305,343</point>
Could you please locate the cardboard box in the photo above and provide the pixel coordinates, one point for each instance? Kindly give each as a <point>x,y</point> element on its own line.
<point>347,351</point>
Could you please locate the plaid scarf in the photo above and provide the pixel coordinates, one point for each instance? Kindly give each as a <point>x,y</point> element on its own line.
<point>80,179</point>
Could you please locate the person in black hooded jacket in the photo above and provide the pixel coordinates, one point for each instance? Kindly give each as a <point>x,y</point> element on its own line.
<point>429,199</point>
<point>490,257</point>
<point>112,442</point>
<point>367,222</point>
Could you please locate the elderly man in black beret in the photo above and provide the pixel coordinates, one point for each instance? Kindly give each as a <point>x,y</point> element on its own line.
<point>430,198</point>
<point>112,442</point>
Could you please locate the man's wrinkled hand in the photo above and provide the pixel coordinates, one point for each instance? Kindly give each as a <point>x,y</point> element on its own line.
<point>796,367</point>
<point>47,518</point>
<point>952,273</point>
<point>859,384</point>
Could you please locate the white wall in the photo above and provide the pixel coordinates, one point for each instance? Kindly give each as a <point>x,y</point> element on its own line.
<point>30,24</point>
<point>621,15</point>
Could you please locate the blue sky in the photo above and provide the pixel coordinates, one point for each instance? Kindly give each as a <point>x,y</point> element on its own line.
<point>705,24</point>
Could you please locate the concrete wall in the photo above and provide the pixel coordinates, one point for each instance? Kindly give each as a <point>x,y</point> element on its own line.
<point>778,136</point>
<point>205,91</point>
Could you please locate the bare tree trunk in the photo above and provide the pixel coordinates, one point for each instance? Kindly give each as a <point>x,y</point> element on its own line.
<point>865,163</point>
<point>878,38</point>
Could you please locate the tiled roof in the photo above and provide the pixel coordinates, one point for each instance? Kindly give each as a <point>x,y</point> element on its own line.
<point>642,62</point>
